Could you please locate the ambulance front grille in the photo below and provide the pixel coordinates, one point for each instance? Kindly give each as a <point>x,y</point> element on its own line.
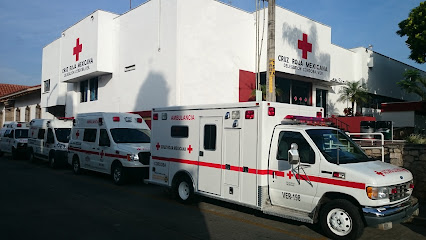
<point>399,191</point>
<point>144,157</point>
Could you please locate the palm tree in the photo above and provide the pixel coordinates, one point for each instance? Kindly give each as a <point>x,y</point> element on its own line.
<point>355,92</point>
<point>410,83</point>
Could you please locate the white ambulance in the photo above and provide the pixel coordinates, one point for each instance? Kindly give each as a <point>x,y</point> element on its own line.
<point>14,139</point>
<point>111,143</point>
<point>253,154</point>
<point>48,140</point>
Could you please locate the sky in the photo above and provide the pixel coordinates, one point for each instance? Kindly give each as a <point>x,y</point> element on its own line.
<point>27,26</point>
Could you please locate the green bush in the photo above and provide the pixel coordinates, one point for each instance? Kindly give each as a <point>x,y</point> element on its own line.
<point>416,139</point>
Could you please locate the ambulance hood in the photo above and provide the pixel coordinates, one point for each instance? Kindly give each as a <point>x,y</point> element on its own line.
<point>377,173</point>
<point>133,148</point>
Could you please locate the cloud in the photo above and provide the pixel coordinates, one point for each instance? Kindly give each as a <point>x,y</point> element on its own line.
<point>12,76</point>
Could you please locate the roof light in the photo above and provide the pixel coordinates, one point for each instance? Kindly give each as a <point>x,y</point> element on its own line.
<point>116,119</point>
<point>139,120</point>
<point>250,114</point>
<point>271,111</point>
<point>319,114</point>
<point>19,125</point>
<point>155,116</point>
<point>101,121</point>
<point>164,116</point>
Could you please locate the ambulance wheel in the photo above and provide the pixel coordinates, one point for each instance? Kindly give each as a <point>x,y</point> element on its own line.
<point>76,166</point>
<point>183,189</point>
<point>340,219</point>
<point>117,173</point>
<point>52,163</point>
<point>31,156</point>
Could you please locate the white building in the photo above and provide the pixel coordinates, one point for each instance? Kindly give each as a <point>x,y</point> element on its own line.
<point>185,52</point>
<point>22,104</point>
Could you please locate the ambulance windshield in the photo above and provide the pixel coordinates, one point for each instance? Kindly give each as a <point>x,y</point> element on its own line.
<point>62,134</point>
<point>337,146</point>
<point>130,135</point>
<point>21,133</point>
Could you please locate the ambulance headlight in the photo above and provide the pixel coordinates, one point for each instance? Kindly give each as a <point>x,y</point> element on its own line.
<point>132,157</point>
<point>376,193</point>
<point>61,146</point>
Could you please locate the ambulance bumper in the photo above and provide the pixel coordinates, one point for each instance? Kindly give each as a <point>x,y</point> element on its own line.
<point>386,215</point>
<point>137,172</point>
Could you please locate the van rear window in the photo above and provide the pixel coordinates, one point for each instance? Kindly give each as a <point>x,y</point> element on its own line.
<point>130,135</point>
<point>21,133</point>
<point>62,134</point>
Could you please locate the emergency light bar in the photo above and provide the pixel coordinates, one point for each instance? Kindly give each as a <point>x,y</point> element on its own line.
<point>303,119</point>
<point>116,119</point>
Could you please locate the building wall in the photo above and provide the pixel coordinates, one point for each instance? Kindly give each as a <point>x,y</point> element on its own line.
<point>215,41</point>
<point>31,101</point>
<point>185,52</point>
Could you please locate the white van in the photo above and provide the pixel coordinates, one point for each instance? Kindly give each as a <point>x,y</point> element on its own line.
<point>48,140</point>
<point>14,139</point>
<point>111,143</point>
<point>266,156</point>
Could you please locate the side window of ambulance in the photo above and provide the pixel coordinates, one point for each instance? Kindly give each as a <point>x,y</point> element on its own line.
<point>103,138</point>
<point>50,138</point>
<point>11,133</point>
<point>89,135</point>
<point>210,137</point>
<point>40,134</point>
<point>179,132</point>
<point>307,155</point>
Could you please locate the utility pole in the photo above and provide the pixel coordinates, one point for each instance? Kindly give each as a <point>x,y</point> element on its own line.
<point>270,74</point>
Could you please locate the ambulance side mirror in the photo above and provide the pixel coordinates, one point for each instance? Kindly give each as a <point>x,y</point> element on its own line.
<point>293,154</point>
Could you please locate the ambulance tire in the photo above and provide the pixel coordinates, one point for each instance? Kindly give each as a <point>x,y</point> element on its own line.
<point>340,219</point>
<point>76,165</point>
<point>117,173</point>
<point>52,162</point>
<point>31,156</point>
<point>183,189</point>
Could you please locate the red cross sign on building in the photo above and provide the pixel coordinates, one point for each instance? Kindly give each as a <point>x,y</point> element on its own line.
<point>77,49</point>
<point>305,46</point>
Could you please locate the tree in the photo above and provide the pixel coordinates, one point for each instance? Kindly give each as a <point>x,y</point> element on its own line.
<point>414,27</point>
<point>355,92</point>
<point>414,83</point>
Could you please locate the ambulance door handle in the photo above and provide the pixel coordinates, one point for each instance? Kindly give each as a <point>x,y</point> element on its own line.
<point>201,153</point>
<point>273,174</point>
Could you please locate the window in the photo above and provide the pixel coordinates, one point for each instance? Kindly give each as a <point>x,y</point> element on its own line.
<point>301,93</point>
<point>38,111</point>
<point>21,133</point>
<point>306,154</point>
<point>179,131</point>
<point>41,133</point>
<point>46,85</point>
<point>89,135</point>
<point>321,97</point>
<point>27,114</point>
<point>89,90</point>
<point>83,91</point>
<point>50,137</point>
<point>210,137</point>
<point>18,115</point>
<point>130,135</point>
<point>63,134</point>
<point>93,89</point>
<point>103,138</point>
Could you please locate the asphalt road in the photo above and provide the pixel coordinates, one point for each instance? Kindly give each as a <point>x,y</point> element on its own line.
<point>37,202</point>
